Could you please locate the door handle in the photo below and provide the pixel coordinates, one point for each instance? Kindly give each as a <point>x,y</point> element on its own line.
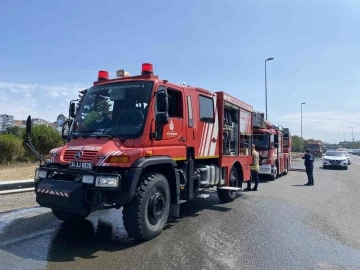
<point>182,139</point>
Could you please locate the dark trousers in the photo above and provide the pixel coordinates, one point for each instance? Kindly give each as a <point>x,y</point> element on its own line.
<point>310,175</point>
<point>254,177</point>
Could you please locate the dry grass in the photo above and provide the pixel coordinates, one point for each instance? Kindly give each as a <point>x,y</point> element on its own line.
<point>18,171</point>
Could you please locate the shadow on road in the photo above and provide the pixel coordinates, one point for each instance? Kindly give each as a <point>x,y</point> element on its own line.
<point>84,239</point>
<point>101,233</point>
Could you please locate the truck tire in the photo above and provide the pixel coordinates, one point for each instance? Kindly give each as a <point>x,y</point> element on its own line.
<point>275,174</point>
<point>286,168</point>
<point>68,217</point>
<point>146,215</point>
<point>226,196</point>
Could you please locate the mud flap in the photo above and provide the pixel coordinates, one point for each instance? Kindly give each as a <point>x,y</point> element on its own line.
<point>67,196</point>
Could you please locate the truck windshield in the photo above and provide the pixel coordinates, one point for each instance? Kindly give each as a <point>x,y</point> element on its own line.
<point>335,154</point>
<point>313,146</point>
<point>117,109</point>
<point>261,141</point>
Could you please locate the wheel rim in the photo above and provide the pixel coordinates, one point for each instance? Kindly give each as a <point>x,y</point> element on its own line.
<point>234,182</point>
<point>156,207</point>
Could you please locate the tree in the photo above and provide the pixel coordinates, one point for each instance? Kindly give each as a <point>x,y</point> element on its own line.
<point>10,147</point>
<point>297,143</point>
<point>16,131</point>
<point>44,138</point>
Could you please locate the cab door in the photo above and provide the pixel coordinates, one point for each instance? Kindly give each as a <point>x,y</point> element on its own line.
<point>208,129</point>
<point>171,138</point>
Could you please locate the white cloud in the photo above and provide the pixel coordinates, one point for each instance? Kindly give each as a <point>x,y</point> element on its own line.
<point>44,101</point>
<point>328,125</point>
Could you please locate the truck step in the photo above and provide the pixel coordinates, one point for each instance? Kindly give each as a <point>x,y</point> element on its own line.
<point>230,188</point>
<point>203,196</point>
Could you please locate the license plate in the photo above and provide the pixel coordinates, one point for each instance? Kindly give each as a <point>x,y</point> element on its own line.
<point>80,165</point>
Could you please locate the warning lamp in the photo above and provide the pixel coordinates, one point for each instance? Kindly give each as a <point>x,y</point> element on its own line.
<point>146,68</point>
<point>122,73</point>
<point>103,75</point>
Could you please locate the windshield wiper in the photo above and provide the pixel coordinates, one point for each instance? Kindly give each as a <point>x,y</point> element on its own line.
<point>110,136</point>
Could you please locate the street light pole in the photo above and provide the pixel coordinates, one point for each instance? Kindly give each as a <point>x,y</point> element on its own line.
<point>352,134</point>
<point>301,118</point>
<point>266,113</point>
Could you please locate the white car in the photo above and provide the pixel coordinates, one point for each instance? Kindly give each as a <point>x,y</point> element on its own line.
<point>336,159</point>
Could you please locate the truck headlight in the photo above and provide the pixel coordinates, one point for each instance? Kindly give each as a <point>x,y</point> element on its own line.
<point>88,179</point>
<point>36,176</point>
<point>42,174</point>
<point>107,181</point>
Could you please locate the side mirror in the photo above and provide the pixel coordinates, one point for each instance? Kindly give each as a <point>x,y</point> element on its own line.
<point>28,125</point>
<point>162,118</point>
<point>162,100</point>
<point>72,110</point>
<point>61,120</point>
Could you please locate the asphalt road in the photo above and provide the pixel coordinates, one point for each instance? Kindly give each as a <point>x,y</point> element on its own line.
<point>284,225</point>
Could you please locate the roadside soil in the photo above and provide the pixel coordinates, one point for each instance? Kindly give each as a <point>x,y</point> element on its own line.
<point>18,171</point>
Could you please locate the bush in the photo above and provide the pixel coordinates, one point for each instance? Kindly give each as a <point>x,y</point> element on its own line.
<point>16,131</point>
<point>11,147</point>
<point>44,138</point>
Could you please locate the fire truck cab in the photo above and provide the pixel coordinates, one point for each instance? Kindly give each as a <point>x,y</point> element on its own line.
<point>146,145</point>
<point>315,148</point>
<point>273,145</point>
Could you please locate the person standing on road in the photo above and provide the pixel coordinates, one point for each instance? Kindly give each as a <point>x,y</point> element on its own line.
<point>309,166</point>
<point>254,169</point>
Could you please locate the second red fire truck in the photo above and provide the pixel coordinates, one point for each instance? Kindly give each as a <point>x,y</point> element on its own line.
<point>274,146</point>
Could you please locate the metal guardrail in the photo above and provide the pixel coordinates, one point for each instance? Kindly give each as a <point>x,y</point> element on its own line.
<point>16,184</point>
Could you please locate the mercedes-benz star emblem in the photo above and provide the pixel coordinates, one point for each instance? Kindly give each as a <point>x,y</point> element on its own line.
<point>78,154</point>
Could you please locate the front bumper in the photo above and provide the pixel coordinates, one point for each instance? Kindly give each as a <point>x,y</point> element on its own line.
<point>62,195</point>
<point>335,163</point>
<point>266,169</point>
<point>81,198</point>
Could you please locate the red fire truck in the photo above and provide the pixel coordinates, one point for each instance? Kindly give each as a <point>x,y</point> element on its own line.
<point>274,146</point>
<point>315,147</point>
<point>147,145</point>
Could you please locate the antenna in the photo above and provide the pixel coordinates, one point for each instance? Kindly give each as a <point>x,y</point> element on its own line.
<point>155,68</point>
<point>170,64</point>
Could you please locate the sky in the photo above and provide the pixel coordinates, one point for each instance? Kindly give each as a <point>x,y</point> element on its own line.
<point>50,50</point>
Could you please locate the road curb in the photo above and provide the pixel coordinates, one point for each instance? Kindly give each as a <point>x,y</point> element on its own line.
<point>17,184</point>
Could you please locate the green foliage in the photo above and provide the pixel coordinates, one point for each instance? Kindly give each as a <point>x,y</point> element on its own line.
<point>297,144</point>
<point>16,131</point>
<point>44,138</point>
<point>11,147</point>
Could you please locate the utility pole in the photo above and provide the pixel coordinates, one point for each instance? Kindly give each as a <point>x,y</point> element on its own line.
<point>266,110</point>
<point>301,118</point>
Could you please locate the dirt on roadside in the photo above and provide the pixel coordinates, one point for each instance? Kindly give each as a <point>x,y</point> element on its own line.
<point>18,171</point>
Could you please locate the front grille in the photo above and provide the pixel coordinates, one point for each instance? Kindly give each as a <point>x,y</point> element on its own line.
<point>335,162</point>
<point>87,155</point>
